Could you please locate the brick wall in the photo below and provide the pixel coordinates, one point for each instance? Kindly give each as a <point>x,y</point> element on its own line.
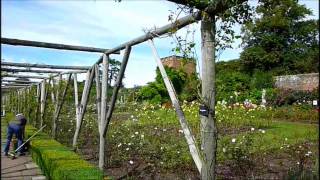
<point>176,63</point>
<point>304,82</point>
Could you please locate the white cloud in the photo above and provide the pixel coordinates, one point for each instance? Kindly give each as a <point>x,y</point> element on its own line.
<point>103,24</point>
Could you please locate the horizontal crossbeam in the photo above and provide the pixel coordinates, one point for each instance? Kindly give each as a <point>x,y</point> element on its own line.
<point>27,65</point>
<point>37,70</point>
<point>15,84</point>
<point>11,87</point>
<point>25,76</point>
<point>172,27</point>
<point>18,81</point>
<point>19,42</point>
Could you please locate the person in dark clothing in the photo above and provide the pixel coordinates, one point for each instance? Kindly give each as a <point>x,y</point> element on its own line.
<point>16,127</point>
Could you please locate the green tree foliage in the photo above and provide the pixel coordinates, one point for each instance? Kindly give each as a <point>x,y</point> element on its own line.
<point>114,68</point>
<point>185,86</point>
<point>230,80</point>
<point>281,39</point>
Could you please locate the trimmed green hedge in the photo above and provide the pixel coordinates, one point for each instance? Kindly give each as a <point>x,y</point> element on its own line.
<point>57,161</point>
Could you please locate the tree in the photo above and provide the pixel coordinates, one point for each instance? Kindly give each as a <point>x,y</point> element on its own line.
<point>156,91</point>
<point>114,68</point>
<point>213,38</point>
<point>280,39</point>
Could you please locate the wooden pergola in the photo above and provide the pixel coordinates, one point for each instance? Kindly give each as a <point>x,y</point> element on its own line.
<point>207,11</point>
<point>104,105</point>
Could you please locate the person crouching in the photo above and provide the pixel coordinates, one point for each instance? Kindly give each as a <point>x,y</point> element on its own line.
<point>16,127</point>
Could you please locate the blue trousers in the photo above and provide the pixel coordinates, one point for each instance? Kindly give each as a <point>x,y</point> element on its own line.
<point>17,130</point>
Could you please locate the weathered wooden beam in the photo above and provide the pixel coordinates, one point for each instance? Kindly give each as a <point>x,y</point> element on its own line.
<point>175,102</point>
<point>172,27</point>
<point>69,72</point>
<point>18,81</point>
<point>12,87</point>
<point>38,104</point>
<point>59,87</point>
<point>117,87</point>
<point>42,101</point>
<point>18,101</point>
<point>53,98</point>
<point>208,126</point>
<point>76,98</point>
<point>19,42</point>
<point>104,100</point>
<point>25,76</point>
<point>98,96</point>
<point>83,105</point>
<point>41,77</point>
<point>28,103</point>
<point>25,104</point>
<point>15,70</point>
<point>58,107</point>
<point>27,65</point>
<point>15,84</point>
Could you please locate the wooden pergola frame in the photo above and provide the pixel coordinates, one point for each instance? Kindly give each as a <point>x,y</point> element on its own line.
<point>104,108</point>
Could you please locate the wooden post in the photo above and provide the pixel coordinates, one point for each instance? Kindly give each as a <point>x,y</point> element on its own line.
<point>10,102</point>
<point>58,106</point>
<point>21,100</point>
<point>14,101</point>
<point>59,86</point>
<point>117,87</point>
<point>208,123</point>
<point>104,97</point>
<point>29,102</point>
<point>53,99</point>
<point>42,101</point>
<point>18,102</point>
<point>76,98</point>
<point>38,104</point>
<point>83,105</point>
<point>98,96</point>
<point>175,102</point>
<point>25,104</point>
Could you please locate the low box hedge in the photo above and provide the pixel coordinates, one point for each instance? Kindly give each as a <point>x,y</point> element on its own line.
<point>57,161</point>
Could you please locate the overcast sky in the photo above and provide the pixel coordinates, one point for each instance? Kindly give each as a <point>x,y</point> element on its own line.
<point>104,24</point>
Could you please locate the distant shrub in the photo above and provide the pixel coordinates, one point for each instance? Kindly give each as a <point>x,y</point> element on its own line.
<point>261,80</point>
<point>184,85</point>
<point>289,97</point>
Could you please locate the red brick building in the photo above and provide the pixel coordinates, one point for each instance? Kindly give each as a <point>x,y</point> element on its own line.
<point>177,62</point>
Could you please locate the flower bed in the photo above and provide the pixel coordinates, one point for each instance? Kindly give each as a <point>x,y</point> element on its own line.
<point>57,161</point>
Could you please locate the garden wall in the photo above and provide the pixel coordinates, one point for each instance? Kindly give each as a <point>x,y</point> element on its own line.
<point>302,82</point>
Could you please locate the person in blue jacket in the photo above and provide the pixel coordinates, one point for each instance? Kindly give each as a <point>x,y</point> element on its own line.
<point>16,127</point>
